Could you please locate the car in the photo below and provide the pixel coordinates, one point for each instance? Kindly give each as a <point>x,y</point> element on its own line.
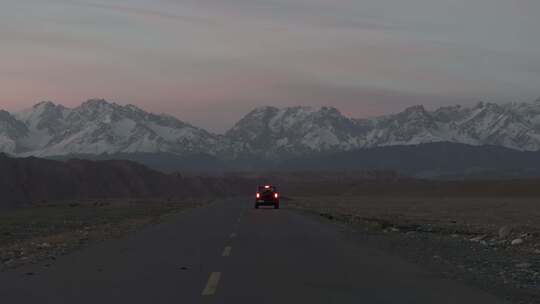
<point>267,195</point>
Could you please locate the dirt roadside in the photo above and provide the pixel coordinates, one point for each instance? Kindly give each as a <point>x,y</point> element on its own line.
<point>44,232</point>
<point>487,242</point>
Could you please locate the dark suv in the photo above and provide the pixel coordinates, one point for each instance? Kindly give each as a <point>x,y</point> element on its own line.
<point>267,195</point>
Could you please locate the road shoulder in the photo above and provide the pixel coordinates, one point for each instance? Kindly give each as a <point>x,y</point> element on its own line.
<point>449,256</point>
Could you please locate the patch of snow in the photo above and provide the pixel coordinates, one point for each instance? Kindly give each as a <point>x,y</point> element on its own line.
<point>124,127</point>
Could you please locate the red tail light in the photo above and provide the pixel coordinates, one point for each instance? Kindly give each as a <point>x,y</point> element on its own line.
<point>276,195</point>
<point>258,195</point>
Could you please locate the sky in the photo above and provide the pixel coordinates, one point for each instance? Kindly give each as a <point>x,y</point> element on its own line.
<point>209,62</point>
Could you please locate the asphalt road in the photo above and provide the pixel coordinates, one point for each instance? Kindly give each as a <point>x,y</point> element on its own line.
<point>230,253</point>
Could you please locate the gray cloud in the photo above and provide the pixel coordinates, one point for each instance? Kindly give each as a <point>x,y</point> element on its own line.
<point>139,11</point>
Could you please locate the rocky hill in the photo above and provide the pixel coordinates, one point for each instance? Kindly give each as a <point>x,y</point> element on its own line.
<point>25,181</point>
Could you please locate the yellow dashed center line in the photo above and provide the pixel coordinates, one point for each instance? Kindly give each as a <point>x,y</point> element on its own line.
<point>213,280</point>
<point>212,284</point>
<point>227,251</point>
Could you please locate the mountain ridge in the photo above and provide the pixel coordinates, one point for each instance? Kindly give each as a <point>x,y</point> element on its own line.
<point>27,180</point>
<point>101,127</point>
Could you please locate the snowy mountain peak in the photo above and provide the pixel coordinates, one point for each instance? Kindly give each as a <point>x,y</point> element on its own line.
<point>96,106</point>
<point>98,126</point>
<point>417,112</point>
<point>96,103</point>
<point>10,126</point>
<point>43,108</point>
<point>330,111</point>
<point>263,109</point>
<point>44,104</point>
<point>271,131</point>
<point>4,114</point>
<point>415,109</point>
<point>11,130</point>
<point>133,108</point>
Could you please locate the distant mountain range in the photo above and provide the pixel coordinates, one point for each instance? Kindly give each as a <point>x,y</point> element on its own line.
<point>97,127</point>
<point>430,161</point>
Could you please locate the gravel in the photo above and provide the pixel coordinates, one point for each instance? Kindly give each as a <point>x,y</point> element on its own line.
<point>504,262</point>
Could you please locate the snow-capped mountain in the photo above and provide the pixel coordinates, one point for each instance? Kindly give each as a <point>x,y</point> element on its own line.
<point>415,125</point>
<point>44,121</point>
<point>11,130</point>
<point>298,130</point>
<point>271,131</point>
<point>98,126</point>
